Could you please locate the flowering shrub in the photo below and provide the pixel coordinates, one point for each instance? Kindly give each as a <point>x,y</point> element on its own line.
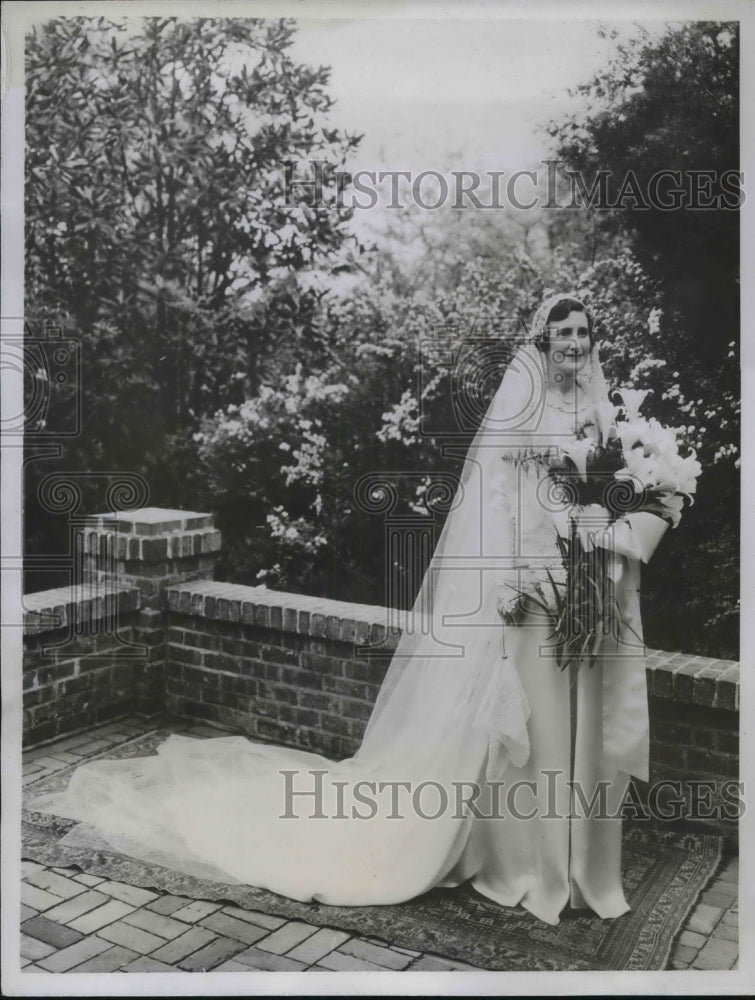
<point>281,469</point>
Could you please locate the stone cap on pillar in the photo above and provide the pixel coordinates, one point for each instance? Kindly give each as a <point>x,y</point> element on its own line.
<point>150,534</point>
<point>151,521</point>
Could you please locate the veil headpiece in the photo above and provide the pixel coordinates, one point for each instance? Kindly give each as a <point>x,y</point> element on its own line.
<point>449,694</point>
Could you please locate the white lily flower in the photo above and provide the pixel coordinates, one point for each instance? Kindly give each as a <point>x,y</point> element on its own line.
<point>578,451</point>
<point>686,472</point>
<point>674,504</point>
<point>633,471</point>
<point>606,415</point>
<point>632,400</point>
<point>630,433</point>
<point>660,440</point>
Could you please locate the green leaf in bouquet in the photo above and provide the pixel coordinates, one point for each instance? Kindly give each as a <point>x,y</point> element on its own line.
<point>626,622</point>
<point>586,644</point>
<point>559,600</point>
<point>596,644</point>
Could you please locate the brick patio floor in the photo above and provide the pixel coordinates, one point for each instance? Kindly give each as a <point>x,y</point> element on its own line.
<point>73,922</point>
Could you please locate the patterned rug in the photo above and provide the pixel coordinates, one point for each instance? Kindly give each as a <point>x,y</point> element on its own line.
<point>664,873</point>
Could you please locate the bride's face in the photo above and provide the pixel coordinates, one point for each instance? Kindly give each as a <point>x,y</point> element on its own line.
<point>568,344</point>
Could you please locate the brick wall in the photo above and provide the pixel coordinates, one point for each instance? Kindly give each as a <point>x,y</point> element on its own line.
<point>96,650</point>
<point>278,667</point>
<point>149,548</point>
<point>286,668</point>
<point>694,723</point>
<point>283,668</point>
<point>79,659</point>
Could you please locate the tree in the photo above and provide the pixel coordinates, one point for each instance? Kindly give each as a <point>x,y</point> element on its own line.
<point>158,226</point>
<point>282,469</point>
<point>671,104</point>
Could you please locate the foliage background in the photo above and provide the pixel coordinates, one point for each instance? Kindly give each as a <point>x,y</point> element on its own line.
<point>251,356</point>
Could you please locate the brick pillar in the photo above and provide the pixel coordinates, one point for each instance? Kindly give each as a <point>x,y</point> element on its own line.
<point>151,548</point>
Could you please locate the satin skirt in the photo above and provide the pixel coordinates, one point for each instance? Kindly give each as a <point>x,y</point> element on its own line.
<point>545,846</point>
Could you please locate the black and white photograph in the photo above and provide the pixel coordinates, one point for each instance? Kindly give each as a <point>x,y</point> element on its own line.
<point>375,498</point>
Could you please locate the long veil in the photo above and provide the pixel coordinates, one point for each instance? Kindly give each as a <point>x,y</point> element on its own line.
<point>449,677</point>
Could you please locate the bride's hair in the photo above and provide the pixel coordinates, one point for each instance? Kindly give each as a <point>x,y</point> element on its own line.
<point>561,311</point>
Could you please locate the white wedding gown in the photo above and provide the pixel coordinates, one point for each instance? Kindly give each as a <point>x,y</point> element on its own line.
<point>214,807</point>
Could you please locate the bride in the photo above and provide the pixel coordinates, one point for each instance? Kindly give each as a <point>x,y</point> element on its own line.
<point>478,747</point>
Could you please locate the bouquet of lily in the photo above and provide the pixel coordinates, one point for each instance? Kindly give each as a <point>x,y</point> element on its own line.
<point>623,492</point>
